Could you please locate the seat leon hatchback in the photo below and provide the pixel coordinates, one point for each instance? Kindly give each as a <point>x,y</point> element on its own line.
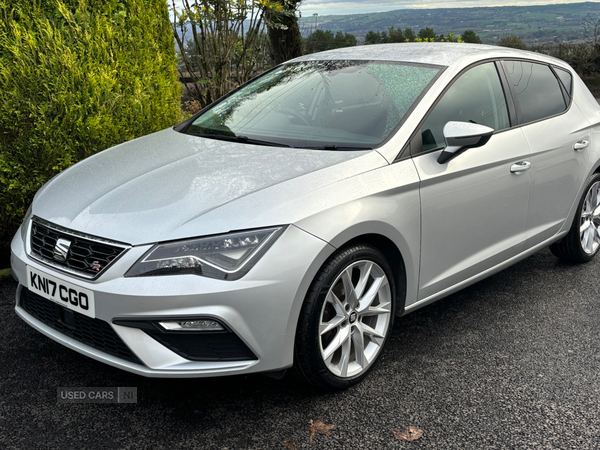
<point>291,221</point>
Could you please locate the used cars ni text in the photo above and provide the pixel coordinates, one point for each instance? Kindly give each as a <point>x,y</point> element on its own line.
<point>290,222</point>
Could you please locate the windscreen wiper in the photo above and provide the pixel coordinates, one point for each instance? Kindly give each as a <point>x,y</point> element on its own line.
<point>243,139</point>
<point>337,147</point>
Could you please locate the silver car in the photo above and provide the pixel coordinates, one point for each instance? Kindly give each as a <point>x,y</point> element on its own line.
<point>290,222</point>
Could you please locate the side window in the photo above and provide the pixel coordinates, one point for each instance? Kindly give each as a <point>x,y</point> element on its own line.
<point>536,90</point>
<point>565,78</point>
<point>477,97</point>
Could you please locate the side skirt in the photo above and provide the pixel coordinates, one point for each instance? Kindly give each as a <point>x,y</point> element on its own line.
<point>491,271</point>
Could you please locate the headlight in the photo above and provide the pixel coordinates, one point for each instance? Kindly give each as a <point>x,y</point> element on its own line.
<point>227,257</point>
<point>25,225</point>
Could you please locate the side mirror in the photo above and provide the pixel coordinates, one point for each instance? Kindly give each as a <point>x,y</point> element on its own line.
<point>460,136</point>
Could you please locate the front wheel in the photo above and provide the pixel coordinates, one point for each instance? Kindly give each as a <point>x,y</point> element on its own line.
<point>582,242</point>
<point>346,318</point>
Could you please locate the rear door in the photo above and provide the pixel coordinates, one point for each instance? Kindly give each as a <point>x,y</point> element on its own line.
<point>474,209</point>
<point>552,127</point>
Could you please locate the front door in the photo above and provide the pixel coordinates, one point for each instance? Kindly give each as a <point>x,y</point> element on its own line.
<point>474,208</point>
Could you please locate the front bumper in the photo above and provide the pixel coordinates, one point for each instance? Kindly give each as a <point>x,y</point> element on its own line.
<point>261,308</point>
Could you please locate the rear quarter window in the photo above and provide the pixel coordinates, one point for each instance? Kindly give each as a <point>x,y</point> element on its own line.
<point>565,78</point>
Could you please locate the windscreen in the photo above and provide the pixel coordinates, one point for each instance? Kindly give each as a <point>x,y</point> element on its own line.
<point>336,105</point>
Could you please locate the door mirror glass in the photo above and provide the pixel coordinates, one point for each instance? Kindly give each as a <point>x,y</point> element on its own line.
<point>460,136</point>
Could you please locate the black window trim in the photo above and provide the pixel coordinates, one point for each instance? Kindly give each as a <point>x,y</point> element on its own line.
<point>513,111</point>
<point>566,93</point>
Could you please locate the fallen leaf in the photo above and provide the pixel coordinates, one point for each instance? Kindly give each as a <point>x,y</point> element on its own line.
<point>409,434</point>
<point>317,426</point>
<point>290,445</point>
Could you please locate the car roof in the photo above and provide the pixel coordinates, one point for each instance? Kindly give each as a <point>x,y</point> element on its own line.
<point>435,53</point>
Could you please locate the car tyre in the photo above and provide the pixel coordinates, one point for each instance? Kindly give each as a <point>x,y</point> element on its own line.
<point>346,318</point>
<point>582,242</point>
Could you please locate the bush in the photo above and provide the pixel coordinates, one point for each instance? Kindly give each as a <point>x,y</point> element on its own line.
<point>222,44</point>
<point>512,42</point>
<point>583,57</point>
<point>77,77</point>
<point>470,37</point>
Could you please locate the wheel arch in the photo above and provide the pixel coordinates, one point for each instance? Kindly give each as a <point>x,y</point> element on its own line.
<point>340,256</point>
<point>401,249</point>
<point>394,257</point>
<point>571,216</point>
<point>401,253</point>
<point>383,236</point>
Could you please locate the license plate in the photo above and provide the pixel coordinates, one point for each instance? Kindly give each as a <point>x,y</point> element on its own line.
<point>65,294</point>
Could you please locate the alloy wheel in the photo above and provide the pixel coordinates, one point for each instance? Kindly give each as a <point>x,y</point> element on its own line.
<point>590,220</point>
<point>355,319</point>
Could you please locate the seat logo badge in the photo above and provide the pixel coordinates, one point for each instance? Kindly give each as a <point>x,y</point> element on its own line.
<point>96,266</point>
<point>61,249</point>
<point>353,316</point>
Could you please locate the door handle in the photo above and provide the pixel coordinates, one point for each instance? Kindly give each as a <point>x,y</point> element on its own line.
<point>579,146</point>
<point>520,167</point>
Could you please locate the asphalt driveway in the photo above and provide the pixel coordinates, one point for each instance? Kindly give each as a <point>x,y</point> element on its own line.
<point>511,362</point>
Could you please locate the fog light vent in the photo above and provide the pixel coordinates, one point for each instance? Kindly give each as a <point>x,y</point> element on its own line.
<point>192,325</point>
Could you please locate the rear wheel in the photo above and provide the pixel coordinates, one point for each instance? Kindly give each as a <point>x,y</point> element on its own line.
<point>346,318</point>
<point>582,242</point>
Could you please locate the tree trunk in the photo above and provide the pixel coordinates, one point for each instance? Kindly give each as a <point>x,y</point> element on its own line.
<point>284,33</point>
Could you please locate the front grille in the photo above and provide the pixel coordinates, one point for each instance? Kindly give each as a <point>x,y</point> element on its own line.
<point>85,257</point>
<point>205,346</point>
<point>93,332</point>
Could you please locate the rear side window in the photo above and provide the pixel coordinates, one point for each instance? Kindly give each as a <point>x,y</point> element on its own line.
<point>565,78</point>
<point>476,97</point>
<point>536,90</point>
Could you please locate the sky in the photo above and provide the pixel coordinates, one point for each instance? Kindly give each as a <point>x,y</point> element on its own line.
<point>326,7</point>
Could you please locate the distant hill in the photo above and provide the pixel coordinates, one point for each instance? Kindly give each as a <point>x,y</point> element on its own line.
<point>533,24</point>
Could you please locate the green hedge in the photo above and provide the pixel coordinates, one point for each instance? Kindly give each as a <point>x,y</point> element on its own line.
<point>77,77</point>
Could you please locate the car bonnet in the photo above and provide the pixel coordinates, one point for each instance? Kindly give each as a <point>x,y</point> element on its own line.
<point>159,187</point>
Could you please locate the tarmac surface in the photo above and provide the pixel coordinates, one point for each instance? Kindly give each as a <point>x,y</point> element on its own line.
<point>509,363</point>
